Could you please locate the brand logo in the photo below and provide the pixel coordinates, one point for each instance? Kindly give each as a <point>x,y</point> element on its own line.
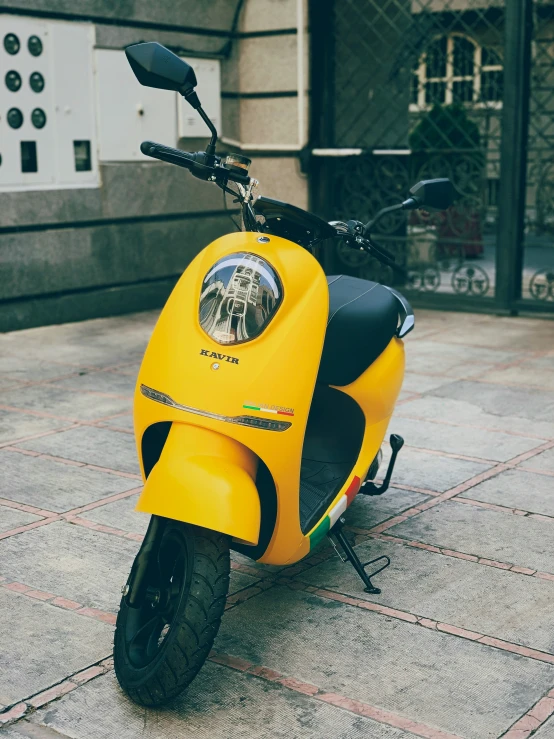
<point>221,357</point>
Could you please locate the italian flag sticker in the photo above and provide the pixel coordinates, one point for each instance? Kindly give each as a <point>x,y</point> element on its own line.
<point>273,409</point>
<point>334,514</point>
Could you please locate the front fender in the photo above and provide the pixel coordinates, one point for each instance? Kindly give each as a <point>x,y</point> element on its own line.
<point>205,481</point>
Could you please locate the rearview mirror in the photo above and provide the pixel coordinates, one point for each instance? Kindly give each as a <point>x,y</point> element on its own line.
<point>433,194</point>
<point>156,66</point>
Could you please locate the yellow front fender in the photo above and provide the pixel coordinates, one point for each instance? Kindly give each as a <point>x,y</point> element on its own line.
<point>206,479</point>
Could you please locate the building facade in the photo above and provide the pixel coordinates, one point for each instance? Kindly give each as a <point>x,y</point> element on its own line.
<point>88,225</point>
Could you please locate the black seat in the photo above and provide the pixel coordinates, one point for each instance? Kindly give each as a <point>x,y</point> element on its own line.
<point>363,318</point>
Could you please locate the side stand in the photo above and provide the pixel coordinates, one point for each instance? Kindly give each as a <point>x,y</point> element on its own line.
<point>352,557</point>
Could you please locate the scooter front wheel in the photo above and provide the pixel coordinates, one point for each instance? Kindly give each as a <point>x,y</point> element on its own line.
<point>160,645</point>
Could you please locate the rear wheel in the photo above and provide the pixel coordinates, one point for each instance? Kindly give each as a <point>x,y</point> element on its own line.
<point>160,646</point>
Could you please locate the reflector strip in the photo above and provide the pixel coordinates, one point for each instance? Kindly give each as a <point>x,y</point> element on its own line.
<point>264,424</point>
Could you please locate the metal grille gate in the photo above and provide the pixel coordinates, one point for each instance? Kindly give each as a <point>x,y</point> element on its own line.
<point>404,90</point>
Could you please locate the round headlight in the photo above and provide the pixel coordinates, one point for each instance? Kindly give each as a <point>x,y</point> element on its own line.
<point>240,295</point>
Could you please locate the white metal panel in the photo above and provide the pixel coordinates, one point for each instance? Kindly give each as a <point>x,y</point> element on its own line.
<point>25,100</point>
<point>66,100</point>
<point>129,113</point>
<point>208,76</point>
<point>74,98</point>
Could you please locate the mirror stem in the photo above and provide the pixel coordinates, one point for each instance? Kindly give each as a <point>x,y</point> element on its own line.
<point>411,204</point>
<point>391,208</point>
<point>192,99</point>
<point>210,149</point>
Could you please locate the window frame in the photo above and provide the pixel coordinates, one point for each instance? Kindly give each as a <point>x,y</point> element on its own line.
<point>450,78</point>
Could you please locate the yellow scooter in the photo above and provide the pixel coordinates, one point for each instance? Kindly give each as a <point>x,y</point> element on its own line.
<point>261,405</point>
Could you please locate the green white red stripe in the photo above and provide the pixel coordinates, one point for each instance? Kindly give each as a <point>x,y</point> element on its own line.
<point>268,410</point>
<point>334,514</point>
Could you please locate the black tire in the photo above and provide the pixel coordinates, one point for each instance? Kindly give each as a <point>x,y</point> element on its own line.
<point>160,646</point>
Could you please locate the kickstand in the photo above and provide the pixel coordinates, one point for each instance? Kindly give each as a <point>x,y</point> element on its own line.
<point>352,557</point>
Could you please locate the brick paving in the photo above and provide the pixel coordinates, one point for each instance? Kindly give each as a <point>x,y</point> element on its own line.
<point>460,644</point>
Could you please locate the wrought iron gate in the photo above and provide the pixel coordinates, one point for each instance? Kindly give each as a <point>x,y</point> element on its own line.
<point>404,90</point>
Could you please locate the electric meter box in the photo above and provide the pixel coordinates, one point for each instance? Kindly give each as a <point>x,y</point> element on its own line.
<point>47,122</point>
<point>129,113</point>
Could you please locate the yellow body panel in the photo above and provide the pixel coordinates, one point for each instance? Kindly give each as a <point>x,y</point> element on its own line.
<point>205,460</point>
<point>197,467</point>
<point>278,367</point>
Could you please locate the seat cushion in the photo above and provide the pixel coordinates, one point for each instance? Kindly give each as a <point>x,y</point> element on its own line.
<point>363,318</point>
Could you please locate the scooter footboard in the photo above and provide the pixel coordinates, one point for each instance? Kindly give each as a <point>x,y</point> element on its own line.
<point>206,479</point>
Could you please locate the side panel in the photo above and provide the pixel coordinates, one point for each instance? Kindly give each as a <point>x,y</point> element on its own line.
<point>278,368</point>
<point>376,392</point>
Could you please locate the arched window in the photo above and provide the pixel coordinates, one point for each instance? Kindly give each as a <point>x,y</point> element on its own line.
<point>455,69</point>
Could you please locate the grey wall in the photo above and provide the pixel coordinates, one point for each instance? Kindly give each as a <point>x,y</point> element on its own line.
<point>71,254</point>
<point>67,255</point>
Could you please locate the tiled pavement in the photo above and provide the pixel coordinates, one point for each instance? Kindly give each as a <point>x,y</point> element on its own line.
<point>459,644</point>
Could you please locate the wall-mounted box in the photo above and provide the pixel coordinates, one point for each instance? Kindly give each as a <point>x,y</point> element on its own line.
<point>208,76</point>
<point>47,126</point>
<point>129,113</point>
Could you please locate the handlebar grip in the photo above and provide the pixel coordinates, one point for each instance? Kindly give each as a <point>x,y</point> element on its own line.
<point>167,154</point>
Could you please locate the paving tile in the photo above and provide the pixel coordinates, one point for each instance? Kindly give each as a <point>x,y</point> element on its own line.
<point>124,421</point>
<point>517,489</point>
<point>115,383</point>
<point>495,535</point>
<point>218,705</point>
<point>469,412</point>
<point>14,425</point>
<point>73,562</point>
<point>527,334</point>
<point>90,445</point>
<point>367,511</point>
<point>537,373</point>
<point>121,515</point>
<point>543,461</point>
<point>421,383</point>
<point>7,383</point>
<point>40,645</point>
<point>53,485</point>
<point>29,368</point>
<point>102,342</point>
<point>454,591</point>
<point>472,442</point>
<point>400,667</point>
<point>10,518</point>
<point>430,471</point>
<point>435,357</point>
<point>241,580</point>
<point>546,731</point>
<point>67,403</point>
<point>535,405</point>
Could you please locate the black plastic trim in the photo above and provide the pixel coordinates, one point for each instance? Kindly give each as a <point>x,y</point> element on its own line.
<point>268,503</point>
<point>152,444</point>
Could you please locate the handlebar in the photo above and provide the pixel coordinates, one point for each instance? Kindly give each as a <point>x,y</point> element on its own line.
<point>167,154</point>
<point>381,253</point>
<point>201,165</point>
<point>353,234</point>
